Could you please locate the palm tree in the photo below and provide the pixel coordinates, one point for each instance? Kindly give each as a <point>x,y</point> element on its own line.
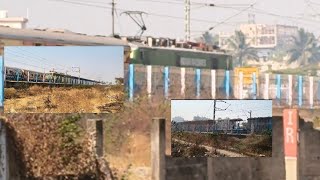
<point>305,49</point>
<point>241,49</point>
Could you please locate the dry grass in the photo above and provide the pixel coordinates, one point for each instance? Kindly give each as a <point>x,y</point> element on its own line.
<point>40,147</point>
<point>37,99</point>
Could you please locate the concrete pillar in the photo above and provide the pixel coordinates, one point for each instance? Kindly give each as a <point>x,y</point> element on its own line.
<point>291,138</point>
<point>300,91</point>
<point>213,84</point>
<point>198,83</point>
<point>290,90</point>
<point>311,91</point>
<point>278,94</point>
<point>131,81</point>
<point>158,149</point>
<point>95,131</point>
<point>4,159</point>
<point>149,80</point>
<point>166,82</point>
<point>183,81</point>
<point>254,86</point>
<point>240,85</point>
<point>266,87</point>
<point>227,84</point>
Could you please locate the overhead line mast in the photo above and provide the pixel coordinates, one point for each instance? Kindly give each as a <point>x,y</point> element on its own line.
<point>187,20</point>
<point>112,13</point>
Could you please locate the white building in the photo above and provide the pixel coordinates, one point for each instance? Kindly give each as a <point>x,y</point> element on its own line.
<point>13,22</point>
<point>264,36</point>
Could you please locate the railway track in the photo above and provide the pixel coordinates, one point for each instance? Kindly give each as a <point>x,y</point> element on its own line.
<point>222,152</point>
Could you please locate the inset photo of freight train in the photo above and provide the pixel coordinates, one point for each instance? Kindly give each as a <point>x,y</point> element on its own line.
<point>221,128</point>
<point>68,79</point>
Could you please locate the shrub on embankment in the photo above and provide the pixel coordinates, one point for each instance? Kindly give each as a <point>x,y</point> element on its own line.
<point>49,145</point>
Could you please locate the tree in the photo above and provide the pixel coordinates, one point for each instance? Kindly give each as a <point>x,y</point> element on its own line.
<point>305,49</point>
<point>208,39</point>
<point>241,50</point>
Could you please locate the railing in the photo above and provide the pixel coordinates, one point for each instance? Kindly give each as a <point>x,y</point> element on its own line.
<point>175,82</point>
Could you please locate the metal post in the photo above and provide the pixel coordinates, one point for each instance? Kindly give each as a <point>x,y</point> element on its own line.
<point>158,148</point>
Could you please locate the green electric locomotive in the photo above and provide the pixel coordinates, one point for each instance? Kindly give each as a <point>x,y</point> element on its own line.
<point>180,57</point>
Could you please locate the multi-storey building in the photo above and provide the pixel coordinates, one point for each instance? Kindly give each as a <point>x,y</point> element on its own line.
<point>264,36</point>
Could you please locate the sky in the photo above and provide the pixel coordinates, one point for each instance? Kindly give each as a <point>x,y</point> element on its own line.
<point>103,63</point>
<point>234,108</point>
<point>95,18</point>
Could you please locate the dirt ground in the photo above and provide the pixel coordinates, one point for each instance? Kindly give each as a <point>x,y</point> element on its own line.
<point>37,99</point>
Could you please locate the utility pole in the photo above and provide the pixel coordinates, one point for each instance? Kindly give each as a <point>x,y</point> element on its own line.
<point>217,109</point>
<point>112,13</point>
<point>214,109</point>
<point>250,113</point>
<point>77,71</point>
<point>187,20</point>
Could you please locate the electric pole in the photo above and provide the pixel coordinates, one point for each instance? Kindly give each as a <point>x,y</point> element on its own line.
<point>250,113</point>
<point>187,20</point>
<point>77,71</point>
<point>112,13</point>
<point>217,109</point>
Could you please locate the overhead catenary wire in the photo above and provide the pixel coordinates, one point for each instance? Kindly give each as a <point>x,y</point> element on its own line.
<point>30,58</point>
<point>21,59</point>
<point>152,14</point>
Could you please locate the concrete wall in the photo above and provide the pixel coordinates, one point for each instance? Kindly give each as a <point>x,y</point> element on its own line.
<point>254,168</point>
